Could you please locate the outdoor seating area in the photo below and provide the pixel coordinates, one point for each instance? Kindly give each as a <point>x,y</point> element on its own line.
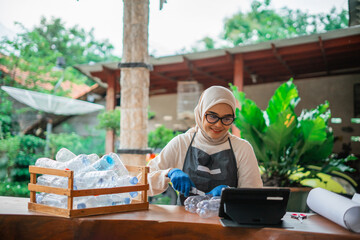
<point>250,134</point>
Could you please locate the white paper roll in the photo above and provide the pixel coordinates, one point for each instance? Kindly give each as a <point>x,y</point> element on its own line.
<point>335,207</point>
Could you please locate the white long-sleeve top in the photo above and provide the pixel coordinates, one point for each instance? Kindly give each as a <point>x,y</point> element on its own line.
<point>173,156</point>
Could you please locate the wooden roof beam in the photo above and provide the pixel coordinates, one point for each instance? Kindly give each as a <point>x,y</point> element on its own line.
<point>161,75</point>
<point>321,45</point>
<point>281,60</point>
<point>192,67</point>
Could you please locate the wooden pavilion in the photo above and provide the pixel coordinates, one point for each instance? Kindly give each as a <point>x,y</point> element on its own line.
<point>319,55</point>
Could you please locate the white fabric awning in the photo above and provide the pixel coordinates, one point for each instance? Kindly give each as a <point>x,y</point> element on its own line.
<point>51,103</point>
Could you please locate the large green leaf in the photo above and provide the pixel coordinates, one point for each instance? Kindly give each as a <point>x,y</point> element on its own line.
<point>240,96</point>
<point>249,133</point>
<point>285,96</point>
<point>321,111</point>
<point>280,133</point>
<point>315,155</point>
<point>252,114</point>
<point>314,133</point>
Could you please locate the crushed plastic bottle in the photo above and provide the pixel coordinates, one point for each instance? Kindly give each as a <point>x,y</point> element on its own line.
<point>64,155</point>
<point>93,157</point>
<point>102,201</point>
<point>119,166</point>
<point>191,202</point>
<point>208,208</point>
<point>49,163</point>
<point>90,172</point>
<point>53,200</point>
<point>76,164</point>
<point>53,181</point>
<point>104,163</point>
<point>95,179</point>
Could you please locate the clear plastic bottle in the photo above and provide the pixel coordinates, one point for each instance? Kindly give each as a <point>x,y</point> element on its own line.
<point>49,163</point>
<point>53,181</point>
<point>104,163</point>
<point>95,179</point>
<point>126,181</point>
<point>93,157</point>
<point>102,201</point>
<point>208,208</point>
<point>78,164</point>
<point>53,200</point>
<point>119,166</point>
<point>191,202</point>
<point>64,155</point>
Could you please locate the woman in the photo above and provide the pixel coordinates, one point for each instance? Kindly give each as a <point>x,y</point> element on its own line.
<point>206,157</point>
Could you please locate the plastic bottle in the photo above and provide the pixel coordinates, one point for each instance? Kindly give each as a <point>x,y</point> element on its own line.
<point>95,179</point>
<point>104,163</point>
<point>53,200</point>
<point>119,166</point>
<point>53,181</point>
<point>64,155</point>
<point>191,202</point>
<point>126,181</point>
<point>49,163</point>
<point>118,199</point>
<point>78,164</point>
<point>93,157</point>
<point>102,201</point>
<point>208,208</point>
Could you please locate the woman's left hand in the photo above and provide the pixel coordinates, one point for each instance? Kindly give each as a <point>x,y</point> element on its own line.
<point>217,190</point>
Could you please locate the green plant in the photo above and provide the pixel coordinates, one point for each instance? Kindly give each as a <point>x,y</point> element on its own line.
<point>160,137</point>
<point>109,120</point>
<point>285,143</point>
<point>77,144</point>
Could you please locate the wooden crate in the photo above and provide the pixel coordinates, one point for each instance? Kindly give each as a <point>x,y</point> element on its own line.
<point>141,203</point>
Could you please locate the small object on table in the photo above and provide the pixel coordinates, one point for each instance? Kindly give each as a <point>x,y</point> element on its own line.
<point>299,217</point>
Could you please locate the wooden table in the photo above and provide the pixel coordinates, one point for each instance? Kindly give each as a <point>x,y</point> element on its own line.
<point>159,222</point>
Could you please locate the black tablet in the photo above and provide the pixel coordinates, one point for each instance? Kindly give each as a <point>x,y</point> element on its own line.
<point>254,206</point>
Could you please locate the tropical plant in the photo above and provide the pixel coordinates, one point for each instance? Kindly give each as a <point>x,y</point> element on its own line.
<point>285,143</point>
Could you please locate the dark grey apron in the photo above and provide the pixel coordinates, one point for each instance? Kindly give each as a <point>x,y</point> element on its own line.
<point>209,171</point>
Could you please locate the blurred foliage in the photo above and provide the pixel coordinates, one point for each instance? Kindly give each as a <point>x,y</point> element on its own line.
<point>110,120</point>
<point>77,144</point>
<point>35,53</point>
<point>160,137</point>
<point>263,23</point>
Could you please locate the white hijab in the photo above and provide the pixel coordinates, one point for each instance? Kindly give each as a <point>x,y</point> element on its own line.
<point>209,98</point>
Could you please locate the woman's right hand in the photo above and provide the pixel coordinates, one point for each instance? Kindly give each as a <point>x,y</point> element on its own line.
<point>181,181</point>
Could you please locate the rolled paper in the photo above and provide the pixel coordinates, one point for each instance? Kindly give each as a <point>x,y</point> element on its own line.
<point>336,208</point>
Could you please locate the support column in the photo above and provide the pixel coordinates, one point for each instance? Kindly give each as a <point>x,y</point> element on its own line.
<point>239,82</point>
<point>110,105</point>
<point>134,82</point>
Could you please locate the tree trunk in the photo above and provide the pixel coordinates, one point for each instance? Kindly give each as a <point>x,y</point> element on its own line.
<point>134,81</point>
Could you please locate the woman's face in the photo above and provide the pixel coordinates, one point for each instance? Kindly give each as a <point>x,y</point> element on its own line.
<point>217,129</point>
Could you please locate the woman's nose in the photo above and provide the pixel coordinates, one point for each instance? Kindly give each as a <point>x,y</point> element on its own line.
<point>218,123</point>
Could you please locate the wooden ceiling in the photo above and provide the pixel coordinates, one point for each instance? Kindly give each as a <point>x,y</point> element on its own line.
<point>322,56</point>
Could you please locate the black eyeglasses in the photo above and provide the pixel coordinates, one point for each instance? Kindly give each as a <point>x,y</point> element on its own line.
<point>212,118</point>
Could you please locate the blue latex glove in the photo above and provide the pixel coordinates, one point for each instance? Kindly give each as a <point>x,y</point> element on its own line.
<point>217,190</point>
<point>181,181</point>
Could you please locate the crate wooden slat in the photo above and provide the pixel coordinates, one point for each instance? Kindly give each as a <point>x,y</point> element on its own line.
<point>135,204</point>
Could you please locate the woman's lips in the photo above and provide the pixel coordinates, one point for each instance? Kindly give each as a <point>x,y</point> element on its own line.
<point>216,131</point>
